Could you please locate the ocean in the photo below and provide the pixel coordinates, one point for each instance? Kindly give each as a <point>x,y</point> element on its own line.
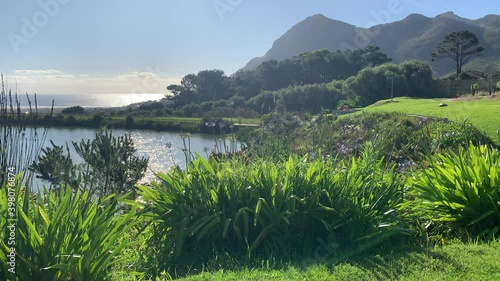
<point>87,100</point>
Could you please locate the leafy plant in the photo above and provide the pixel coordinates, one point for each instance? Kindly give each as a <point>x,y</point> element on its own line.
<point>452,135</point>
<point>230,206</point>
<point>461,190</point>
<point>110,165</point>
<point>64,237</point>
<point>54,166</point>
<point>20,144</point>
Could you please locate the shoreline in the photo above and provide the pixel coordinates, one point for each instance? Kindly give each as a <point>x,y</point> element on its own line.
<point>161,124</point>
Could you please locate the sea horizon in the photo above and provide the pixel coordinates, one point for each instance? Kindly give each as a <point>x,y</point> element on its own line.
<point>85,100</point>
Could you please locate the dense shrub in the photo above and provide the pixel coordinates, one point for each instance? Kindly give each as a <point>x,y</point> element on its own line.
<point>461,190</point>
<point>151,106</point>
<point>452,135</point>
<point>110,166</point>
<point>63,237</point>
<point>73,110</point>
<point>465,76</point>
<point>411,78</point>
<point>191,110</point>
<point>129,122</point>
<point>218,207</point>
<point>96,120</point>
<point>263,103</point>
<point>310,98</point>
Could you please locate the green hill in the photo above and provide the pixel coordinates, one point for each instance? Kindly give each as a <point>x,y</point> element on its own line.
<point>481,111</point>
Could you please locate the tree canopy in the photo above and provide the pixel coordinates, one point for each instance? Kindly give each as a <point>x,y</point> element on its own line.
<point>460,46</point>
<point>309,68</point>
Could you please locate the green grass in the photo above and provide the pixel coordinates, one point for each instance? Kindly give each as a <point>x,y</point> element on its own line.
<point>452,262</point>
<point>170,119</point>
<point>482,111</point>
<point>171,123</point>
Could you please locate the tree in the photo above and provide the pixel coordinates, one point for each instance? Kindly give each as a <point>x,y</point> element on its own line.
<point>73,110</point>
<point>418,76</point>
<point>207,85</point>
<point>373,84</point>
<point>460,46</point>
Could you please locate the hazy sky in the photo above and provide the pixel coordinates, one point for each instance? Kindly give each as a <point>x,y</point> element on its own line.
<point>141,46</point>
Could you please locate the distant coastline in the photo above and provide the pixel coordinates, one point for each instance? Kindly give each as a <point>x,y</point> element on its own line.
<point>90,101</point>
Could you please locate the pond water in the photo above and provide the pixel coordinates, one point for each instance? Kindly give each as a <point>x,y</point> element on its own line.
<point>164,149</point>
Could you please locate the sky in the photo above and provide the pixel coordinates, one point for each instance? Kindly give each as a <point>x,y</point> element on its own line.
<point>142,46</point>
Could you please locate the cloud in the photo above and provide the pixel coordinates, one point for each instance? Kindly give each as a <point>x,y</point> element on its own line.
<point>37,72</point>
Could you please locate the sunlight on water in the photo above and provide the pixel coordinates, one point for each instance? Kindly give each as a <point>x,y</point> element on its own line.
<point>152,144</point>
<point>92,100</point>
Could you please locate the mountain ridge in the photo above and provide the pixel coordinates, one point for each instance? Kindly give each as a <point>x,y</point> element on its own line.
<point>414,37</point>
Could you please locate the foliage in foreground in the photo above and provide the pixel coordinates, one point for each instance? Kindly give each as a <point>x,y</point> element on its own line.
<point>69,236</point>
<point>401,139</point>
<point>481,262</point>
<point>461,190</point>
<point>263,208</point>
<point>110,166</point>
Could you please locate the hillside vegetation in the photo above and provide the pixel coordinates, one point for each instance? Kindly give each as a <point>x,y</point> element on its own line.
<point>414,37</point>
<point>481,111</point>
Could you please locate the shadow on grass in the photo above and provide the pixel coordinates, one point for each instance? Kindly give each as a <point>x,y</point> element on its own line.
<point>400,261</point>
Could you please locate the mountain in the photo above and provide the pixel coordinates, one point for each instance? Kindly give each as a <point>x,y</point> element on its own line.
<point>414,37</point>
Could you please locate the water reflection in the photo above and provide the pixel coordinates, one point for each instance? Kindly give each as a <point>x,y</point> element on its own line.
<point>164,149</point>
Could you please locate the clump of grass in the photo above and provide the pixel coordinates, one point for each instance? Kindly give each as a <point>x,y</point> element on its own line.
<point>69,236</point>
<point>260,207</point>
<point>461,190</point>
<point>19,143</point>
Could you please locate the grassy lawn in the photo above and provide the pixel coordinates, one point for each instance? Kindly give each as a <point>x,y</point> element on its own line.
<point>170,123</point>
<point>179,119</point>
<point>482,111</point>
<point>193,120</point>
<point>452,262</point>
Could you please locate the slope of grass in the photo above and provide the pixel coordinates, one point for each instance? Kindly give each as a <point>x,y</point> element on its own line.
<point>481,111</point>
<point>452,262</point>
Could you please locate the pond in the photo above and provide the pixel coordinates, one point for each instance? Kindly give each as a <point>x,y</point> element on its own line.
<point>164,149</point>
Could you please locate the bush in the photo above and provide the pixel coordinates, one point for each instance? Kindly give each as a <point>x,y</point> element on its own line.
<point>465,76</point>
<point>452,135</point>
<point>262,206</point>
<point>461,190</point>
<point>96,121</point>
<point>191,110</point>
<point>73,110</point>
<point>54,166</point>
<point>63,237</point>
<point>150,106</point>
<point>129,122</point>
<point>110,165</point>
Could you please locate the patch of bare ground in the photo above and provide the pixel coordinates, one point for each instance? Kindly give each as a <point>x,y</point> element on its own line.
<point>384,102</point>
<point>475,97</point>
